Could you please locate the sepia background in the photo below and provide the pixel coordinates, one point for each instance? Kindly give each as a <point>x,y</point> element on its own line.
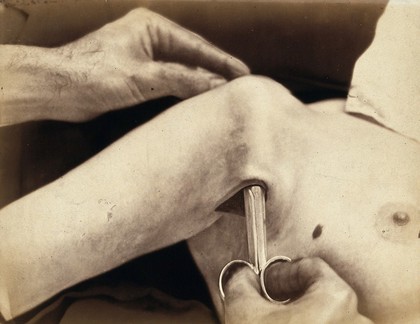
<point>309,46</point>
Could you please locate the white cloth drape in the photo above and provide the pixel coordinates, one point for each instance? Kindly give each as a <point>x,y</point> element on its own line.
<point>386,78</point>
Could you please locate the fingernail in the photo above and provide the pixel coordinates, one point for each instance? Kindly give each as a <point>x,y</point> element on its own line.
<point>244,68</point>
<point>240,69</point>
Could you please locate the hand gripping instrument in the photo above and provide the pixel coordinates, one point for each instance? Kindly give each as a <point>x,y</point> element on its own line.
<point>254,198</point>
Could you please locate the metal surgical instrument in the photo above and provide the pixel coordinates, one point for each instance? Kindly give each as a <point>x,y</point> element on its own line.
<point>254,199</point>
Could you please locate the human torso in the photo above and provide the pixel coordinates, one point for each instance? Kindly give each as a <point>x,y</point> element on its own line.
<point>349,195</point>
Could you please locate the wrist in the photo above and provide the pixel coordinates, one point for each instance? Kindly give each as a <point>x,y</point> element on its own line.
<point>30,83</point>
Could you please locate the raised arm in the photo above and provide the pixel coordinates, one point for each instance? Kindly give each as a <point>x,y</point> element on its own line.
<point>154,187</point>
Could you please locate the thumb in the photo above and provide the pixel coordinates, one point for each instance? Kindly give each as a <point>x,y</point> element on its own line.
<point>173,79</point>
<point>291,280</point>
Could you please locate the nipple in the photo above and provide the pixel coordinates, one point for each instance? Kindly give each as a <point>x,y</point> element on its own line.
<point>398,222</point>
<point>400,218</point>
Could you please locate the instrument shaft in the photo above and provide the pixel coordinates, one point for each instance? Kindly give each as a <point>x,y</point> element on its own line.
<point>254,198</point>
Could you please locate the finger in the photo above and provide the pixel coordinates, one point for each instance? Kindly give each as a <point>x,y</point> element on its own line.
<point>243,301</point>
<point>305,276</point>
<point>171,79</point>
<point>174,43</point>
<point>324,295</point>
<point>242,282</point>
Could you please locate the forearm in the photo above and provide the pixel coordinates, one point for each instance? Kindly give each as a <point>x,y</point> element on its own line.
<point>154,187</point>
<point>31,80</point>
<point>137,58</point>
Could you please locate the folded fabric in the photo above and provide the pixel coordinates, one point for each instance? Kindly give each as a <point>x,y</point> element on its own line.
<point>386,78</point>
<point>122,303</point>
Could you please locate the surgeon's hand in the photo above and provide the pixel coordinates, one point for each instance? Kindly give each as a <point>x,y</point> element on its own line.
<point>324,296</point>
<point>138,57</point>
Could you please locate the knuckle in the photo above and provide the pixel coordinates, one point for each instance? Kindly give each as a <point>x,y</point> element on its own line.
<point>237,284</point>
<point>138,20</point>
<point>233,288</point>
